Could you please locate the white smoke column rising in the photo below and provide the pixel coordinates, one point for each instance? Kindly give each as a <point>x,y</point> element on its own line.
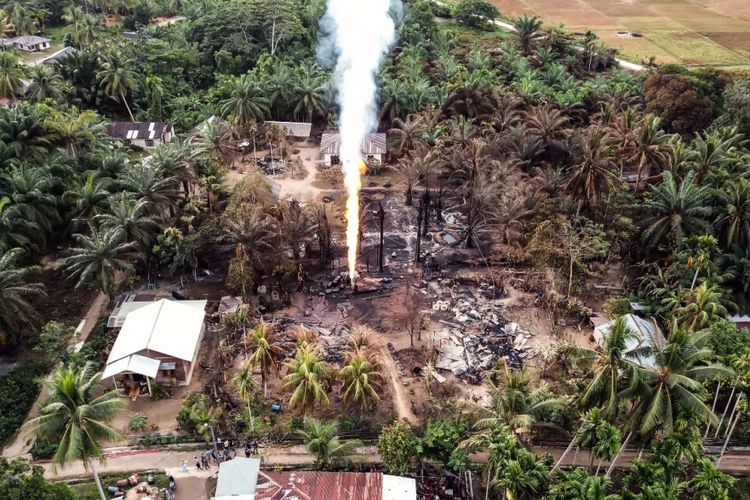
<point>362,32</point>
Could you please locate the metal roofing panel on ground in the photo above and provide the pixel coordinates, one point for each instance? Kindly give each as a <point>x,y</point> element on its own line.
<point>648,334</point>
<point>133,364</point>
<point>237,477</point>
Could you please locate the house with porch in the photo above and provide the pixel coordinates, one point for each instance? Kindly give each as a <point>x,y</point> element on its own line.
<point>373,148</point>
<point>28,43</point>
<point>158,341</point>
<point>142,134</point>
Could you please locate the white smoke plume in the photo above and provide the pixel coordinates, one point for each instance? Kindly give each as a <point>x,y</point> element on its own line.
<point>360,34</point>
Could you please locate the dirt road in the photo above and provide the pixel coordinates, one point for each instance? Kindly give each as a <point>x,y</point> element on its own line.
<point>401,399</point>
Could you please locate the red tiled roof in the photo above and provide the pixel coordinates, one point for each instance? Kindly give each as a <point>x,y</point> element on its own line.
<point>319,485</point>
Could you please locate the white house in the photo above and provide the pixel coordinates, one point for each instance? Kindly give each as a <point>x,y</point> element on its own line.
<point>648,334</point>
<point>373,147</point>
<point>158,341</point>
<point>142,134</point>
<point>28,43</point>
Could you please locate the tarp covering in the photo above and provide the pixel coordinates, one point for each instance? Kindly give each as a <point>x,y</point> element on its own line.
<point>134,363</point>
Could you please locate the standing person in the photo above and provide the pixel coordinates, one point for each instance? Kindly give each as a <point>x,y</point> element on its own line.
<point>226,454</point>
<point>226,445</point>
<point>205,461</point>
<point>197,463</point>
<point>215,456</point>
<point>248,452</point>
<point>255,446</point>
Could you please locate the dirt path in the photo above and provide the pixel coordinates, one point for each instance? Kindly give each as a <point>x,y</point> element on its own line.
<point>303,189</point>
<point>22,443</point>
<point>401,398</point>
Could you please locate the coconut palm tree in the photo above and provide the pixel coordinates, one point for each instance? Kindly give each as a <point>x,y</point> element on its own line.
<point>77,130</point>
<point>88,199</point>
<point>675,210</point>
<point>128,220</point>
<point>267,351</point>
<point>675,383</point>
<point>80,70</point>
<point>701,307</point>
<point>12,74</point>
<point>255,231</point>
<point>159,193</point>
<point>246,386</point>
<point>175,161</point>
<point>612,364</point>
<point>590,179</point>
<point>29,188</point>
<point>16,231</point>
<point>361,377</point>
<point>247,102</point>
<point>117,79</point>
<point>77,417</point>
<point>44,84</point>
<point>516,404</point>
<point>408,132</point>
<point>73,17</point>
<point>322,441</point>
<point>21,16</point>
<point>15,292</point>
<point>215,142</point>
<point>99,258</point>
<point>528,31</point>
<point>547,129</point>
<point>310,91</point>
<point>733,206</point>
<point>410,169</point>
<point>280,91</point>
<point>307,371</point>
<point>650,149</point>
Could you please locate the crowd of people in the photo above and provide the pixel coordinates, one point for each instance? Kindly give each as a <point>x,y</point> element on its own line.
<point>203,461</point>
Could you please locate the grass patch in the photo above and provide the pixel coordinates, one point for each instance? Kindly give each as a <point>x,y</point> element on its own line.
<point>56,33</point>
<point>86,490</point>
<point>693,49</point>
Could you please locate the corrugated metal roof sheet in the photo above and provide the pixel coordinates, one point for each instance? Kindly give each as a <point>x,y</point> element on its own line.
<point>319,485</point>
<point>138,130</point>
<point>294,129</point>
<point>372,144</point>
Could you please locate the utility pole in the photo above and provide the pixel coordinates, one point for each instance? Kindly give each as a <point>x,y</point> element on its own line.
<point>419,232</point>
<point>426,206</point>
<point>381,216</point>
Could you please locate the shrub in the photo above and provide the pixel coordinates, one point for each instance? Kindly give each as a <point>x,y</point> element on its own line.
<point>43,450</point>
<point>475,13</point>
<point>18,391</point>
<point>138,422</point>
<point>398,447</point>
